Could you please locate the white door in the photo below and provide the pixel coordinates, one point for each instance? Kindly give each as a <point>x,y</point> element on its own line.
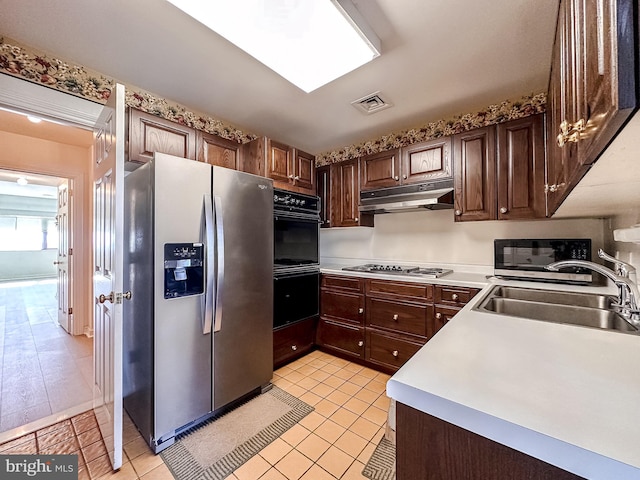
<point>63,261</point>
<point>108,189</point>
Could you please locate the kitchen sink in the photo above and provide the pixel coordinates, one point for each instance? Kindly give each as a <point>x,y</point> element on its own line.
<point>584,309</point>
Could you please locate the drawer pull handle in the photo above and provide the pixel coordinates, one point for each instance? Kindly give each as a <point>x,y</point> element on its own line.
<point>361,310</point>
<point>455,297</point>
<point>395,317</point>
<point>395,353</point>
<point>360,343</point>
<point>294,347</point>
<point>438,315</point>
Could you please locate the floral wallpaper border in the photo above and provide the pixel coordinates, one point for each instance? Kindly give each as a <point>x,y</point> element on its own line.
<point>22,62</point>
<point>502,112</point>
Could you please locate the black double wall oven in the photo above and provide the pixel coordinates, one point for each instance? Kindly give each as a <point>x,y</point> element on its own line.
<point>296,271</point>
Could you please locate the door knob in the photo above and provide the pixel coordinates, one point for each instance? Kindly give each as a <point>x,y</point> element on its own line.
<point>127,295</point>
<point>504,210</point>
<point>102,298</point>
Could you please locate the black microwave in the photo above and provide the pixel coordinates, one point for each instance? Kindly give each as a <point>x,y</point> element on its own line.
<point>526,259</point>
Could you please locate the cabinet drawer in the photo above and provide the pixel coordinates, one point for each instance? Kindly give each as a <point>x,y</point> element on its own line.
<point>441,316</point>
<point>396,316</point>
<point>389,351</point>
<point>414,290</point>
<point>293,340</point>
<point>342,306</point>
<point>341,337</point>
<point>456,296</point>
<point>343,283</point>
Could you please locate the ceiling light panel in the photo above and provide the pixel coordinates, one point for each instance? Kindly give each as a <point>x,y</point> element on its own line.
<point>308,42</point>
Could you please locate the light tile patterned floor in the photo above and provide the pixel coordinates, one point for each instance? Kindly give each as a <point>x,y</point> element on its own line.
<point>44,370</point>
<point>333,442</point>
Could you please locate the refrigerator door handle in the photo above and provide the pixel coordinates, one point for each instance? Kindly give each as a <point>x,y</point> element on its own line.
<point>210,265</point>
<point>217,203</point>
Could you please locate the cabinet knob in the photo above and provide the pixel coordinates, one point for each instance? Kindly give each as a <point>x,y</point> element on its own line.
<point>404,177</point>
<point>395,353</point>
<point>360,343</point>
<point>395,317</point>
<point>296,177</point>
<point>438,315</point>
<point>458,213</point>
<point>504,210</point>
<point>356,219</point>
<point>361,310</point>
<point>396,178</point>
<point>454,297</point>
<point>294,347</point>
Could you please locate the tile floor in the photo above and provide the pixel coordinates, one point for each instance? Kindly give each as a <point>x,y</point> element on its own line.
<point>44,370</point>
<point>333,442</point>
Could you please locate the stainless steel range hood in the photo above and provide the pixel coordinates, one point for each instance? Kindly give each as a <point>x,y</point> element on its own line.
<point>418,197</point>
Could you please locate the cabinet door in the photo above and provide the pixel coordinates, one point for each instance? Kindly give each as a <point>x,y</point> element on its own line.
<point>389,351</point>
<point>343,338</point>
<point>474,155</point>
<point>425,161</point>
<point>441,316</point>
<point>218,151</point>
<point>342,306</point>
<point>604,32</point>
<point>397,316</point>
<point>521,168</point>
<point>279,162</point>
<point>149,134</point>
<point>323,190</point>
<point>380,170</point>
<point>347,195</point>
<point>304,170</point>
<point>293,340</point>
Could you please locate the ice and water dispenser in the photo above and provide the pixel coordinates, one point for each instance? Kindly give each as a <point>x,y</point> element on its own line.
<point>183,269</point>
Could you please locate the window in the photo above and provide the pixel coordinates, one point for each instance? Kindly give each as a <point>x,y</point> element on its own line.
<point>27,233</point>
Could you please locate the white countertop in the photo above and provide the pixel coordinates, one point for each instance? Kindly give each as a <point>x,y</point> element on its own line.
<point>567,395</point>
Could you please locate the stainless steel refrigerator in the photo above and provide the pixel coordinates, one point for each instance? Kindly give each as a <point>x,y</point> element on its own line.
<point>198,330</point>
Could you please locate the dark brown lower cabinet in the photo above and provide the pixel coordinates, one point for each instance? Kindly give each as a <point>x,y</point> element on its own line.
<point>389,352</point>
<point>293,341</point>
<point>428,448</point>
<point>338,337</point>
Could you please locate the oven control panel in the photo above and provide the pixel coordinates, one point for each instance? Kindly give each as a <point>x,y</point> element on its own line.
<point>291,201</point>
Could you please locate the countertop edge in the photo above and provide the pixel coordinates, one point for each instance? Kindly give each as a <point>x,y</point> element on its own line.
<point>556,452</point>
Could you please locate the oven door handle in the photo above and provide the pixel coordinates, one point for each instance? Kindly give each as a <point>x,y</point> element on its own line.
<point>297,216</point>
<point>287,276</point>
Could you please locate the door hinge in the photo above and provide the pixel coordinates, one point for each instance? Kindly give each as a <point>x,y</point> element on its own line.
<point>71,251</point>
<point>70,310</point>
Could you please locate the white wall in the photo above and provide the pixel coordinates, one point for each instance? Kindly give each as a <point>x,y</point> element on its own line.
<point>433,237</point>
<point>629,252</point>
<point>27,265</point>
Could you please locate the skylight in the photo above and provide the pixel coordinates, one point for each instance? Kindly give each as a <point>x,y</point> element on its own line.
<point>308,42</point>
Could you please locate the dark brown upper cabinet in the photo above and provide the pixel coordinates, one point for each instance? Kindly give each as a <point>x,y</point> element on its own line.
<point>218,151</point>
<point>592,88</point>
<point>426,161</point>
<point>474,156</point>
<point>149,133</point>
<point>290,168</point>
<point>323,190</point>
<point>380,170</point>
<point>520,168</point>
<point>345,190</point>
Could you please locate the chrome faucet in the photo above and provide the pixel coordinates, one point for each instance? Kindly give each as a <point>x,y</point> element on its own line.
<point>623,269</point>
<point>628,296</point>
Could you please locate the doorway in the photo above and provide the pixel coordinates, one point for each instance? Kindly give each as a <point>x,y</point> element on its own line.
<point>46,345</point>
<point>44,370</point>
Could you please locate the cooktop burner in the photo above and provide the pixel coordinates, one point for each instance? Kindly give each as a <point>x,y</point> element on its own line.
<point>399,270</point>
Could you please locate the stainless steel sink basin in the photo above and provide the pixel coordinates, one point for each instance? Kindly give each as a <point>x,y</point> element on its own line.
<point>553,296</point>
<point>584,309</point>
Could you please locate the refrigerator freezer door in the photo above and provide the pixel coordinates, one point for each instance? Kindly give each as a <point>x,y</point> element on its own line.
<point>243,347</point>
<point>182,352</point>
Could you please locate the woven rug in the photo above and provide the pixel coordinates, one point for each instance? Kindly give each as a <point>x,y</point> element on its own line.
<point>217,448</point>
<point>382,464</point>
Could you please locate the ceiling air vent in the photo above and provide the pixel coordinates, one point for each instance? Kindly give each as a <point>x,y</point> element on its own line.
<point>371,103</point>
